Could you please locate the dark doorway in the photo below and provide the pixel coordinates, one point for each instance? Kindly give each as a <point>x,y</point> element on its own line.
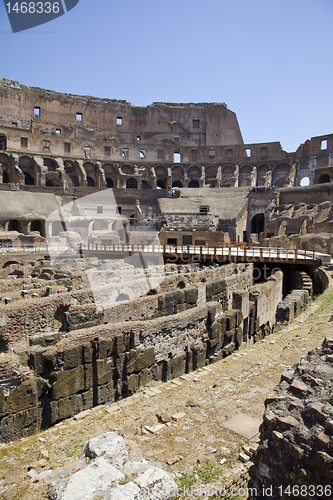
<point>131,184</point>
<point>177,184</point>
<point>28,179</point>
<point>3,142</point>
<point>324,178</point>
<point>258,223</point>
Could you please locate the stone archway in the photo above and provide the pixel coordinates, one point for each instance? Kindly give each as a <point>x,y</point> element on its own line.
<point>131,183</point>
<point>177,184</point>
<point>38,226</point>
<point>258,223</point>
<point>324,178</point>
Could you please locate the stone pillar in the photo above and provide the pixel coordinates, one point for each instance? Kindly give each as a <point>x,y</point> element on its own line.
<point>169,180</point>
<point>154,178</point>
<point>83,173</point>
<point>18,174</point>
<point>41,171</point>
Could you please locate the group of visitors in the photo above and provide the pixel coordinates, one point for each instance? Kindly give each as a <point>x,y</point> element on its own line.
<point>262,189</point>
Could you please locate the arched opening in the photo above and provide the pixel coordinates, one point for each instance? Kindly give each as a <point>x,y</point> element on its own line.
<point>258,223</point>
<point>160,184</point>
<point>194,173</point>
<point>71,174</point>
<point>145,185</point>
<point>122,297</point>
<point>52,179</point>
<point>177,184</point>
<point>5,178</point>
<point>27,166</point>
<point>28,179</point>
<point>280,173</point>
<point>109,182</point>
<point>100,225</point>
<point>50,164</point>
<point>127,169</point>
<point>210,176</point>
<point>3,142</point>
<point>178,174</point>
<point>244,173</point>
<point>38,225</point>
<point>91,182</point>
<point>9,263</point>
<point>324,178</point>
<point>261,172</point>
<point>227,172</point>
<point>305,181</point>
<point>193,184</point>
<point>14,225</point>
<point>131,183</point>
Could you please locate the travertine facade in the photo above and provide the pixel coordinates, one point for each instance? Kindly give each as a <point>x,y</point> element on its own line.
<point>53,139</point>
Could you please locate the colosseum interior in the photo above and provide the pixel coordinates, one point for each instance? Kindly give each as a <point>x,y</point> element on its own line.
<point>142,245</point>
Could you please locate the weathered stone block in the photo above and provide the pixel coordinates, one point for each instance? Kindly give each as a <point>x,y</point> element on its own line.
<point>67,382</point>
<point>157,371</point>
<point>211,313</point>
<point>238,337</point>
<point>49,360</point>
<point>214,289</point>
<point>26,419</point>
<point>191,296</point>
<point>87,353</point>
<point>131,385</point>
<point>104,370</point>
<point>119,366</point>
<point>228,349</point>
<point>54,412</point>
<point>106,393</point>
<point>69,406</point>
<point>88,376</point>
<point>72,356</point>
<point>105,348</point>
<point>119,344</point>
<point>231,319</point>
<point>23,397</point>
<point>181,308</point>
<point>138,359</point>
<point>177,365</point>
<point>87,399</point>
<point>174,298</point>
<point>215,330</point>
<point>37,361</point>
<point>145,376</point>
<point>7,429</point>
<point>199,357</point>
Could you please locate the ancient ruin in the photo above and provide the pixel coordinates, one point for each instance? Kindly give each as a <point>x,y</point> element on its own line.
<point>140,244</point>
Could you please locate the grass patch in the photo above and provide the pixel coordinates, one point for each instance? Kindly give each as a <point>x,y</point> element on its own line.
<point>326,301</point>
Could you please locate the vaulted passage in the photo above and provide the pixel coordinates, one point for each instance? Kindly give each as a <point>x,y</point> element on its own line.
<point>258,223</point>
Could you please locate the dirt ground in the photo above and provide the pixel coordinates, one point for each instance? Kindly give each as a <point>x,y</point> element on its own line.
<point>196,441</point>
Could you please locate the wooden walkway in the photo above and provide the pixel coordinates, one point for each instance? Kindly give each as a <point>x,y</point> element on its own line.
<point>227,253</point>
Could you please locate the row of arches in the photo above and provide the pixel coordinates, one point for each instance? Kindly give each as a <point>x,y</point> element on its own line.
<point>53,172</point>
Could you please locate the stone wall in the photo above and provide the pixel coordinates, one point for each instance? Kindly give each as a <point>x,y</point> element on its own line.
<point>295,455</point>
<point>110,361</point>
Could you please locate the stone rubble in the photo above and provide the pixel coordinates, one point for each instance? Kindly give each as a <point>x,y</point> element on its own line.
<point>108,466</point>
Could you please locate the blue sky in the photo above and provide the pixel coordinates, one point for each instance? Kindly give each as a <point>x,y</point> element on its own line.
<point>269,60</point>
